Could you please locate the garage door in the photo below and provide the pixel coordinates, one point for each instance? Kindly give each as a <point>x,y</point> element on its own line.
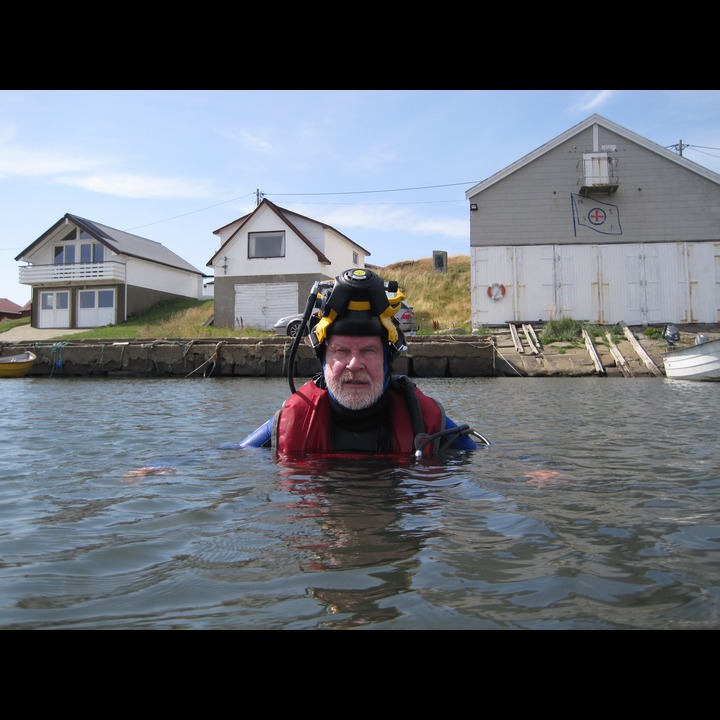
<point>260,305</point>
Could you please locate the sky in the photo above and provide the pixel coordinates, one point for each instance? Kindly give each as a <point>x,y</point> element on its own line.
<point>387,168</point>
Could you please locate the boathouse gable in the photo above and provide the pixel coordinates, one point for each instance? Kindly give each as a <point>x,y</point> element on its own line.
<point>601,225</point>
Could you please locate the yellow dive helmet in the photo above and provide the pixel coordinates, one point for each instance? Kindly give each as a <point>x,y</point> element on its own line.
<point>358,302</point>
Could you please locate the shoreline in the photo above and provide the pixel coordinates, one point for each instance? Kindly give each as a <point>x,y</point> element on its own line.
<point>504,353</point>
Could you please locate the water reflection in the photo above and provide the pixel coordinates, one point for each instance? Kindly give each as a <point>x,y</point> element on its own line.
<point>364,515</point>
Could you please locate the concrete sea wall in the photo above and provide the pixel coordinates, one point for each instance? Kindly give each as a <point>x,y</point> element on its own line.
<point>427,356</point>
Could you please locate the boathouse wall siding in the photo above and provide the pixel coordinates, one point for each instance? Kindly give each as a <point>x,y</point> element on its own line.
<point>643,248</point>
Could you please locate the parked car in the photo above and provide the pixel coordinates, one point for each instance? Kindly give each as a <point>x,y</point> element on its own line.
<point>290,324</point>
<point>406,317</point>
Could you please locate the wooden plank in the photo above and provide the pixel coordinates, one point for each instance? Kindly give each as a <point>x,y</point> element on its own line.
<point>531,330</point>
<point>619,359</point>
<point>593,353</point>
<point>516,338</point>
<point>640,350</point>
<point>529,337</point>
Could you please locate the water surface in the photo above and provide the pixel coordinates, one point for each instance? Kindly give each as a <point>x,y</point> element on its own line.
<point>595,507</point>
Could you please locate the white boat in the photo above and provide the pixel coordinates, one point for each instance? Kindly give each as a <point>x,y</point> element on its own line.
<point>697,362</point>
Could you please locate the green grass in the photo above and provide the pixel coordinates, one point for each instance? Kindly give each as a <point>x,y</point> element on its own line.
<point>441,302</point>
<point>654,333</point>
<point>10,324</point>
<point>568,330</point>
<point>174,319</point>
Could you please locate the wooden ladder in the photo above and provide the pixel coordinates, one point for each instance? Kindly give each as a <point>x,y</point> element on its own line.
<point>530,337</point>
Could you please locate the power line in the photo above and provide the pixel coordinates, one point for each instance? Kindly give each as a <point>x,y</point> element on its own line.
<point>192,212</point>
<point>377,204</point>
<point>260,195</point>
<point>680,146</point>
<point>367,192</point>
<point>695,147</point>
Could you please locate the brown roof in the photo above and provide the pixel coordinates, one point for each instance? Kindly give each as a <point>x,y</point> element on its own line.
<point>8,306</point>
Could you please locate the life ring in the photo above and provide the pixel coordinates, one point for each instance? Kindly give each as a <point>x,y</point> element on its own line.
<point>496,292</point>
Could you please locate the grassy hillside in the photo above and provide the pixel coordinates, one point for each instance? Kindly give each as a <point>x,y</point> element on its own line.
<point>440,300</point>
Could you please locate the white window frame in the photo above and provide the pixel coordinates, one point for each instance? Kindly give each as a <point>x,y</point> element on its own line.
<point>68,251</point>
<point>259,244</point>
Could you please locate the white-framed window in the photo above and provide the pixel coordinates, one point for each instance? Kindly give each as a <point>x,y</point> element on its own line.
<point>78,246</point>
<point>64,254</point>
<point>355,258</point>
<point>55,300</point>
<point>266,244</point>
<point>92,253</point>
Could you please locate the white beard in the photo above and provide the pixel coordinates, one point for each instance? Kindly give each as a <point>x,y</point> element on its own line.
<point>352,396</point>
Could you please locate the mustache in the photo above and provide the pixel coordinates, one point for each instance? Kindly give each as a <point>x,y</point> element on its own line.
<point>351,377</point>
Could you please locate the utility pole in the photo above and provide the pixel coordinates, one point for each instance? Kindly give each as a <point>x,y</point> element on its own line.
<point>679,147</point>
<point>258,197</point>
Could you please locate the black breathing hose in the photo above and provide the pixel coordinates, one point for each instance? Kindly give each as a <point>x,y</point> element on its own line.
<point>450,435</point>
<point>312,298</point>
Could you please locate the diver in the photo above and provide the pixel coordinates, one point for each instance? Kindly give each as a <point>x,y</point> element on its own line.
<point>355,405</point>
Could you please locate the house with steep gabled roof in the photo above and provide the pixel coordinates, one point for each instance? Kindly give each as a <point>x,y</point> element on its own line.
<point>268,262</point>
<point>84,274</point>
<point>601,225</point>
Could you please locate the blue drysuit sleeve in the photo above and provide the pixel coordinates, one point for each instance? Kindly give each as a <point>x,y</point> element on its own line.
<point>257,438</point>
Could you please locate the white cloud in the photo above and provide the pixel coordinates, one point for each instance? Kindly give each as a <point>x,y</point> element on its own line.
<point>441,227</point>
<point>251,141</point>
<point>85,172</point>
<point>38,163</point>
<point>388,218</point>
<point>594,99</point>
<point>139,186</point>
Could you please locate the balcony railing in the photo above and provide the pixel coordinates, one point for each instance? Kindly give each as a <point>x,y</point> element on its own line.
<point>111,271</point>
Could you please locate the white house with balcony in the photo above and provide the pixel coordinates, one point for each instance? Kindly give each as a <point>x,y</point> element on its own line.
<point>84,274</point>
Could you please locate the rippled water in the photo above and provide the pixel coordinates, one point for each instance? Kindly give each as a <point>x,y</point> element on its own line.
<point>595,507</point>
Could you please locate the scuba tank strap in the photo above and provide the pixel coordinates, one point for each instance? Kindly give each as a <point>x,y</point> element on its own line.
<point>406,387</point>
